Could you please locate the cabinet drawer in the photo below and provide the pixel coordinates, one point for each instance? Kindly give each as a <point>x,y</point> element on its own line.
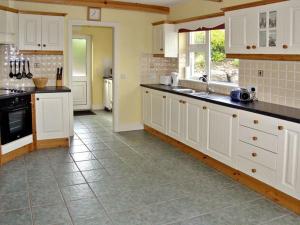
<point>256,170</point>
<point>258,155</point>
<point>259,122</point>
<point>259,139</point>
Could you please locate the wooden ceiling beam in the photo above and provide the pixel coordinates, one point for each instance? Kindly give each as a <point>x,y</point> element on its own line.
<point>107,4</point>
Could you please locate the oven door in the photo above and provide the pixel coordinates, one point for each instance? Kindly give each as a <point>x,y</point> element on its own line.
<point>16,122</point>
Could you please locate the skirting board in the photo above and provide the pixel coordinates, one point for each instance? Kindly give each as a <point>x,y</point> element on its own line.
<point>258,186</point>
<point>53,143</point>
<point>15,153</point>
<point>130,127</point>
<point>97,107</point>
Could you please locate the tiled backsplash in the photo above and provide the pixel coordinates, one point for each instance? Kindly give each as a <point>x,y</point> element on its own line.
<point>280,83</point>
<point>40,66</point>
<point>151,68</point>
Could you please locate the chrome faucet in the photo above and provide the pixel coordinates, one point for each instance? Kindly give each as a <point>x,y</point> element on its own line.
<point>204,79</point>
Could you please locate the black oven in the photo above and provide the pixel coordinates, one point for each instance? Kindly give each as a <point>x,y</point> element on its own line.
<point>15,118</point>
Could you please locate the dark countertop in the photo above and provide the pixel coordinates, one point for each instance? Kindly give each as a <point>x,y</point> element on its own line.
<point>264,108</point>
<point>107,78</point>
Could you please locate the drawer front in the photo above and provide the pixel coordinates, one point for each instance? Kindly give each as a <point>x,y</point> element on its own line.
<point>259,122</point>
<point>256,170</point>
<point>259,139</point>
<point>258,155</point>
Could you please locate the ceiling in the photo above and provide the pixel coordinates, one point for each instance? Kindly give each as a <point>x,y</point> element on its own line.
<point>155,2</point>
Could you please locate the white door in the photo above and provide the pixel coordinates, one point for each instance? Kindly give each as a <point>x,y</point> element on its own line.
<point>146,93</point>
<point>30,34</point>
<point>110,93</point>
<point>52,115</point>
<point>289,158</point>
<point>221,130</point>
<point>81,72</point>
<point>52,33</point>
<point>158,111</point>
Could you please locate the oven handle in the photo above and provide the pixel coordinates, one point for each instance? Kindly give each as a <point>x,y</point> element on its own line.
<point>9,109</point>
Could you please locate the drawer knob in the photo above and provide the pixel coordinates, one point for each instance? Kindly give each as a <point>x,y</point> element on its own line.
<point>204,107</point>
<point>147,92</point>
<point>285,46</point>
<point>180,101</point>
<point>183,102</point>
<point>248,47</point>
<point>161,49</point>
<point>234,116</point>
<point>280,127</point>
<point>164,96</point>
<point>254,154</point>
<point>253,170</point>
<point>254,138</point>
<point>255,121</point>
<point>254,46</point>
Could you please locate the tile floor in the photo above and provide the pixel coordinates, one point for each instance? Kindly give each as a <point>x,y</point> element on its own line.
<point>129,178</point>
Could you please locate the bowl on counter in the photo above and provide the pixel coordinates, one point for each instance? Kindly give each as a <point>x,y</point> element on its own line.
<point>40,82</point>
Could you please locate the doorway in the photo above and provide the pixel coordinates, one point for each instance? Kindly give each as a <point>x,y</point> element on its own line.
<point>81,72</point>
<point>109,69</point>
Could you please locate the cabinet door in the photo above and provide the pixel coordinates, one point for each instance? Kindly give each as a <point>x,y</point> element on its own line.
<point>158,39</point>
<point>289,158</point>
<point>8,27</point>
<point>221,133</point>
<point>195,124</point>
<point>30,35</point>
<point>52,115</point>
<point>158,111</point>
<point>176,115</point>
<point>52,33</point>
<point>146,93</point>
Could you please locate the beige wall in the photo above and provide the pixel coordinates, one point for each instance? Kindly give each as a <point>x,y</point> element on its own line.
<point>193,8</point>
<point>102,49</point>
<point>135,38</point>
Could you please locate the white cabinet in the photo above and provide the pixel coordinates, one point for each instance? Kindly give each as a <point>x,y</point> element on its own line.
<point>52,115</point>
<point>146,104</point>
<point>158,111</point>
<point>8,27</point>
<point>38,32</point>
<point>221,129</point>
<point>165,40</point>
<point>108,94</point>
<point>289,158</point>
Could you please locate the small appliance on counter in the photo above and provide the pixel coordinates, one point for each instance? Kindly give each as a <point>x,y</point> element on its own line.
<point>175,80</point>
<point>243,94</point>
<point>165,80</point>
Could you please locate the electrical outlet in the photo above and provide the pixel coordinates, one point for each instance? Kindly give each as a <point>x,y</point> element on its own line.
<point>260,73</point>
<point>37,65</point>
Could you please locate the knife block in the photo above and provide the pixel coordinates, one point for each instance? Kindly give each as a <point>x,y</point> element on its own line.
<point>59,83</point>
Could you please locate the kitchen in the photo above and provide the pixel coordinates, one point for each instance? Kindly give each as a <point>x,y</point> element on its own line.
<point>186,154</point>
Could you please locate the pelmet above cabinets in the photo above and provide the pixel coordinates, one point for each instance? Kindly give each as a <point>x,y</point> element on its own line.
<point>268,29</point>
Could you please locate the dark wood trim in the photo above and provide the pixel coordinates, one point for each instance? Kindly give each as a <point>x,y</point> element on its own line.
<point>203,17</point>
<point>250,5</point>
<point>40,52</point>
<point>159,55</point>
<point>273,57</point>
<point>5,8</point>
<point>16,153</point>
<point>42,13</point>
<point>108,4</point>
<point>53,143</point>
<point>260,187</point>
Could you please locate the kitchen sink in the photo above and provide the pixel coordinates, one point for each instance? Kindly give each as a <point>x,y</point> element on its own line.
<point>184,90</point>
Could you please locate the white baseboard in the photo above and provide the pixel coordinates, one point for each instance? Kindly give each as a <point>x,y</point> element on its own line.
<point>97,107</point>
<point>129,127</point>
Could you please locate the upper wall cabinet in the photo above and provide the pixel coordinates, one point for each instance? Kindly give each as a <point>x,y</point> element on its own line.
<point>8,27</point>
<point>165,40</point>
<point>38,32</point>
<point>268,29</point>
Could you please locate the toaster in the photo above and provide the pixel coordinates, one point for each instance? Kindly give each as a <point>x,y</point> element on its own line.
<point>243,94</point>
<point>166,80</point>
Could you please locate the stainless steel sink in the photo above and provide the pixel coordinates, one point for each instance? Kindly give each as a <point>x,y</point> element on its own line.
<point>184,90</point>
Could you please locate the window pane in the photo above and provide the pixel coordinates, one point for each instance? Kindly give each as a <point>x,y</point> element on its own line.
<point>222,69</point>
<point>79,57</point>
<point>198,37</point>
<point>198,64</point>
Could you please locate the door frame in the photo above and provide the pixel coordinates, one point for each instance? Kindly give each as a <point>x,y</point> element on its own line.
<point>88,71</point>
<point>115,28</point>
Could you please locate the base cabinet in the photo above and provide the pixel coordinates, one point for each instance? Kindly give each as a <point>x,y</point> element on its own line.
<point>289,158</point>
<point>221,129</point>
<point>158,111</point>
<point>52,115</point>
<point>146,104</point>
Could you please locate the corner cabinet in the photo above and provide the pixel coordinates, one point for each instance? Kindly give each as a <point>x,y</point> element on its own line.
<point>38,32</point>
<point>221,132</point>
<point>52,115</point>
<point>267,29</point>
<point>8,27</point>
<point>165,40</point>
<point>289,158</point>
